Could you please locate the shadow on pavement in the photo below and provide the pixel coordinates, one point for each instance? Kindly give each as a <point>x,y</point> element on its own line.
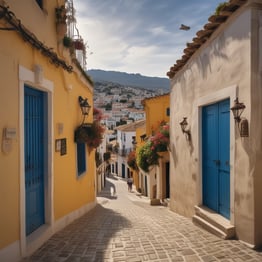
<point>85,239</point>
<point>109,191</point>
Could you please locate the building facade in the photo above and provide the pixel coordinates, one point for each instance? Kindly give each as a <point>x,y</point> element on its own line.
<point>215,164</point>
<point>155,182</point>
<point>47,179</point>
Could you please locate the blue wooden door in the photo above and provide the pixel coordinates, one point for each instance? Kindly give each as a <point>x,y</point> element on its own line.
<point>216,151</point>
<point>34,158</point>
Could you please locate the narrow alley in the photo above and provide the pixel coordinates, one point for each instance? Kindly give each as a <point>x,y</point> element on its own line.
<point>125,228</point>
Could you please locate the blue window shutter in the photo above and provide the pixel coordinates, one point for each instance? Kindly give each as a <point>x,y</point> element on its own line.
<point>81,158</point>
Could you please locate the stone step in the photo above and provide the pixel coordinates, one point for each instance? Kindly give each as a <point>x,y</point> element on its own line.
<point>165,202</point>
<point>213,222</point>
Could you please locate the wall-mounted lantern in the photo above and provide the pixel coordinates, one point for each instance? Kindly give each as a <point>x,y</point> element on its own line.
<point>185,131</point>
<point>85,107</point>
<point>237,110</point>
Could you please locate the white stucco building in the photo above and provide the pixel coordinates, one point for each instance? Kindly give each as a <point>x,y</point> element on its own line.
<point>215,172</point>
<point>126,135</point>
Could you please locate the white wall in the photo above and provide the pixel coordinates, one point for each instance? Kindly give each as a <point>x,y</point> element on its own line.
<point>220,69</point>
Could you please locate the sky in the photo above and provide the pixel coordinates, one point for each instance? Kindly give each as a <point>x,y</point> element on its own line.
<point>139,36</point>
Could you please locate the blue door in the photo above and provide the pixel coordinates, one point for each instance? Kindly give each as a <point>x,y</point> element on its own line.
<point>34,158</point>
<point>216,152</point>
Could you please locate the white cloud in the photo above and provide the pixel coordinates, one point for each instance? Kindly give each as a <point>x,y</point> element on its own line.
<point>139,36</point>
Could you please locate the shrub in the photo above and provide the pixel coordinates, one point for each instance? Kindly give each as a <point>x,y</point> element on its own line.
<point>147,154</point>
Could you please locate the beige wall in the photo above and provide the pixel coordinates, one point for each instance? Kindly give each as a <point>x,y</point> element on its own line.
<point>220,69</point>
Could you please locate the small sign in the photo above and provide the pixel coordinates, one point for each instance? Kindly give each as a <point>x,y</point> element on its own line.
<point>63,147</point>
<point>10,133</point>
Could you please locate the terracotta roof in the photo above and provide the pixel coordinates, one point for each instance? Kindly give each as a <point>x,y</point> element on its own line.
<point>132,126</point>
<point>201,36</point>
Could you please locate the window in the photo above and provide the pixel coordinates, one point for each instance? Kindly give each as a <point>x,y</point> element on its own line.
<point>81,158</point>
<point>40,3</point>
<point>168,111</point>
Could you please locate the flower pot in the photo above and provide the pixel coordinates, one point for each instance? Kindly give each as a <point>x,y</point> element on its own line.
<point>82,134</point>
<point>79,45</point>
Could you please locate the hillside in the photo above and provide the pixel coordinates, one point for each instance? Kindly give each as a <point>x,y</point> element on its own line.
<point>135,80</point>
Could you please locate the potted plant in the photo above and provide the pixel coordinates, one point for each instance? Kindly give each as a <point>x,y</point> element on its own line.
<point>79,44</point>
<point>67,42</point>
<point>91,134</point>
<point>61,26</point>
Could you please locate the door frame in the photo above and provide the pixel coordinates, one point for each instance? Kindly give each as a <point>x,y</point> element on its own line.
<point>30,243</point>
<point>230,92</point>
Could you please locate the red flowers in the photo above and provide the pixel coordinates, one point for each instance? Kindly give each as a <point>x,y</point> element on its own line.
<point>91,134</point>
<point>160,141</point>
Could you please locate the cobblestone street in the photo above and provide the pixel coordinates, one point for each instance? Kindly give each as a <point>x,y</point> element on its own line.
<point>125,228</point>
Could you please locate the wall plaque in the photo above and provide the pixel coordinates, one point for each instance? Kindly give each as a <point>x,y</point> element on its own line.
<point>63,147</point>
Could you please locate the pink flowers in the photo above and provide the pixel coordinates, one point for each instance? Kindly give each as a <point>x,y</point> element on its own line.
<point>160,141</point>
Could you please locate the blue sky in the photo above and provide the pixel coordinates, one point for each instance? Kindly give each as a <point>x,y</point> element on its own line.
<point>139,36</point>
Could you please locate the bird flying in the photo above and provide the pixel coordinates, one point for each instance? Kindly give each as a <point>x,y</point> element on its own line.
<point>184,27</point>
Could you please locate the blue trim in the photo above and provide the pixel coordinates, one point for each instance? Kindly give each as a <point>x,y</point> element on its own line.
<point>81,158</point>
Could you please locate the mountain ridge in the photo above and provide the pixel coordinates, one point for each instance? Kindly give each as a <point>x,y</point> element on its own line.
<point>129,79</point>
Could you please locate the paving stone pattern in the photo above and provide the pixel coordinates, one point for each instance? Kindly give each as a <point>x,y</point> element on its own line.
<point>123,227</point>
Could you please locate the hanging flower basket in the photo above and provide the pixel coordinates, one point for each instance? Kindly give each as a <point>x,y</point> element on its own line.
<point>82,134</point>
<point>78,44</point>
<point>90,134</point>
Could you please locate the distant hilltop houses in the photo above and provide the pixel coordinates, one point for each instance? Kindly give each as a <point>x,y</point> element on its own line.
<point>121,104</point>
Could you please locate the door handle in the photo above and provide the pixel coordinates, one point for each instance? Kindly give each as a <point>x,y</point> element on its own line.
<point>217,162</point>
<point>227,163</point>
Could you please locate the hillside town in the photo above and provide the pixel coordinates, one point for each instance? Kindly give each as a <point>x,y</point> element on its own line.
<point>104,172</point>
<point>121,104</point>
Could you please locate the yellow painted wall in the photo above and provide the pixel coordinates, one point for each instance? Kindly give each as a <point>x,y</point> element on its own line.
<point>156,111</point>
<point>69,192</point>
<point>139,132</point>
<point>9,162</point>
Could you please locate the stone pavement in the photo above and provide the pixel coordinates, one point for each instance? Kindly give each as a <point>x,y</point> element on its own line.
<point>125,228</point>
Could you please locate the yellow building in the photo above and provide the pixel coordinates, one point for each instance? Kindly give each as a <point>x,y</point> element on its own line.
<point>47,180</point>
<point>157,111</point>
<point>155,182</point>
